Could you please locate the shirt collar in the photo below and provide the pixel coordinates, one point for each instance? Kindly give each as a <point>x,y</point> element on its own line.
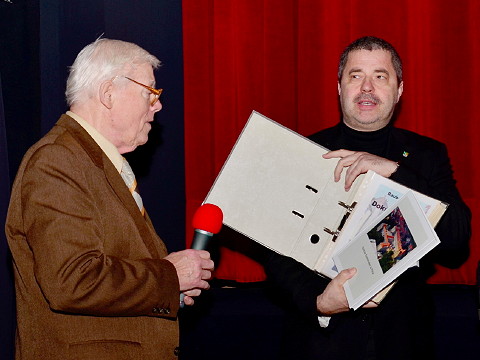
<point>108,148</point>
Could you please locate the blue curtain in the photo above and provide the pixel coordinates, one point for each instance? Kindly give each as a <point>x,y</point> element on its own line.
<point>38,41</point>
<point>7,307</point>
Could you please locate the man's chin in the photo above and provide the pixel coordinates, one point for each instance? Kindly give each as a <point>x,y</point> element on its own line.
<point>366,124</point>
<point>132,147</point>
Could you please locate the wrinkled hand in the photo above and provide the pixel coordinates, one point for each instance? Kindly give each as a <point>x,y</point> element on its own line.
<point>189,295</point>
<point>193,267</point>
<point>359,162</point>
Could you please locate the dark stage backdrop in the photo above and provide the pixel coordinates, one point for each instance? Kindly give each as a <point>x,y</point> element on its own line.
<point>280,58</point>
<point>38,41</point>
<point>7,302</point>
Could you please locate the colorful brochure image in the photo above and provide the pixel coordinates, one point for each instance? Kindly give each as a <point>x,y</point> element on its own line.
<point>391,239</point>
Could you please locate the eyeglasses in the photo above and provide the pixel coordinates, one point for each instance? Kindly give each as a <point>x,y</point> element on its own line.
<point>155,92</point>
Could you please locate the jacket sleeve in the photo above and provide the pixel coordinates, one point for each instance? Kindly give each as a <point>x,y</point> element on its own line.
<point>297,283</point>
<point>430,172</point>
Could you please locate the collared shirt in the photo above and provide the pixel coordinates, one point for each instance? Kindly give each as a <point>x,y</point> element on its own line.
<point>324,321</point>
<point>108,148</point>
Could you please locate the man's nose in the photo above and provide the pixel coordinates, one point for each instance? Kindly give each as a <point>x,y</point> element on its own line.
<point>367,86</point>
<point>157,106</point>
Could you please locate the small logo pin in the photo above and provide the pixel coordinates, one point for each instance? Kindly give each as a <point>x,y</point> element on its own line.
<point>405,154</point>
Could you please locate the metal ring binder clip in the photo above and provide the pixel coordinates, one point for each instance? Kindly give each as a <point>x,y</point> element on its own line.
<point>342,222</point>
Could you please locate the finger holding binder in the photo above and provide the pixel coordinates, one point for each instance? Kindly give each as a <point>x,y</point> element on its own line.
<point>359,162</point>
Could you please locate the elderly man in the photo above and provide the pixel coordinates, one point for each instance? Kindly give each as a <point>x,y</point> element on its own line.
<point>401,327</point>
<point>93,279</point>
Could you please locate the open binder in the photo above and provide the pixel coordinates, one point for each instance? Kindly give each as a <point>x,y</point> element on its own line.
<point>277,189</point>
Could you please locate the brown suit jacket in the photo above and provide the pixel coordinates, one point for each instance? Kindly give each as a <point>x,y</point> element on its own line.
<point>90,281</point>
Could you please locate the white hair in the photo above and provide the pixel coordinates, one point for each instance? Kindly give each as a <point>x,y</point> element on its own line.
<point>103,60</point>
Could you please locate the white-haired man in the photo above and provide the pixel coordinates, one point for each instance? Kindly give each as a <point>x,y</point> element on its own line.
<point>93,279</point>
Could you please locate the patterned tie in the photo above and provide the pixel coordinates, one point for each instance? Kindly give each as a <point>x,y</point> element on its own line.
<point>129,177</point>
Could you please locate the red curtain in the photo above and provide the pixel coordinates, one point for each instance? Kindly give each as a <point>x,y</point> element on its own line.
<point>280,57</point>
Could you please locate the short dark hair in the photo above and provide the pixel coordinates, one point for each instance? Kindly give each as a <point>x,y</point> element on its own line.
<point>371,43</point>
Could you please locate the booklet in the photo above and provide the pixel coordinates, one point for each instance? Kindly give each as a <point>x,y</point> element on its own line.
<point>374,195</point>
<point>385,248</point>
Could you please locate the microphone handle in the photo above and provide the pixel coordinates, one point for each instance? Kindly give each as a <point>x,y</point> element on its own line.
<point>201,240</point>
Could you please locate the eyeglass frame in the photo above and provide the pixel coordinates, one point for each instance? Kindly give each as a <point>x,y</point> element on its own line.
<point>155,92</point>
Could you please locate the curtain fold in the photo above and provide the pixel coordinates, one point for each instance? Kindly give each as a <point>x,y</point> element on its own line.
<point>7,291</point>
<point>280,58</point>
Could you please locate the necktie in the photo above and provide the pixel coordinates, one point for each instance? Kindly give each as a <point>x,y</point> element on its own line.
<point>129,177</point>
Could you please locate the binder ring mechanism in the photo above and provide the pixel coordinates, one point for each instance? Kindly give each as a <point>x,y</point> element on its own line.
<point>349,209</point>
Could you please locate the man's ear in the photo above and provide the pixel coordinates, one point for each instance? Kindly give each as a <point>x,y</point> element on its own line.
<point>339,88</point>
<point>105,93</point>
<point>400,91</point>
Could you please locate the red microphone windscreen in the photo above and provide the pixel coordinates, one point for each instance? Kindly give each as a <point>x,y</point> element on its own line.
<point>208,217</point>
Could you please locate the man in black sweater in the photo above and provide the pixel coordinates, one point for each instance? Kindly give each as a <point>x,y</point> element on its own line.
<point>401,327</point>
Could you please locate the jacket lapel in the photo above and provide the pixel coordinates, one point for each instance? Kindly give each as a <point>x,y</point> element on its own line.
<point>400,148</point>
<point>114,179</point>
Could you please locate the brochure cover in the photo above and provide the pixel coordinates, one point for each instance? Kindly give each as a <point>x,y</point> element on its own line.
<point>385,248</point>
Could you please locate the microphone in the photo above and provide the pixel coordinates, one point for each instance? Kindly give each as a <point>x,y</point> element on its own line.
<point>207,221</point>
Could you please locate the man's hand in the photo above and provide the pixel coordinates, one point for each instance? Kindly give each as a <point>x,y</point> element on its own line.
<point>193,267</point>
<point>359,162</point>
<point>333,300</point>
<point>189,295</point>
